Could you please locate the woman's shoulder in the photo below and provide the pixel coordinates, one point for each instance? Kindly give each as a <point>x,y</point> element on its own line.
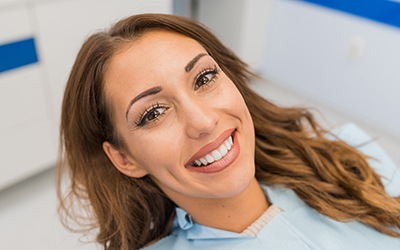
<point>321,232</point>
<point>379,160</point>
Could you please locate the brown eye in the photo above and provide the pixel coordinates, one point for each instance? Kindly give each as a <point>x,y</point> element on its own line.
<point>151,115</point>
<point>205,78</point>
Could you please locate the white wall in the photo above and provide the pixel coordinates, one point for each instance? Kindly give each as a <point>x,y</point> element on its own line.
<point>30,96</point>
<point>240,24</point>
<point>346,62</point>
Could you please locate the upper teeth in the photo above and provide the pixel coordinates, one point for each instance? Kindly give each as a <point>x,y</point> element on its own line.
<point>216,154</point>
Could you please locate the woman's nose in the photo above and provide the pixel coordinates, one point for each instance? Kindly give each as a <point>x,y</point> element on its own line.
<point>200,118</point>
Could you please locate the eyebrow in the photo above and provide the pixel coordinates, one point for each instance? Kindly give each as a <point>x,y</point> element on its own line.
<point>151,91</point>
<point>191,64</point>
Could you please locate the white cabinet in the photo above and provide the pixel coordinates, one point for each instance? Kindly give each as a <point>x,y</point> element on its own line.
<point>26,146</point>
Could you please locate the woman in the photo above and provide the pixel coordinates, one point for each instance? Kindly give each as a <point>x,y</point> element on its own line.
<point>168,148</point>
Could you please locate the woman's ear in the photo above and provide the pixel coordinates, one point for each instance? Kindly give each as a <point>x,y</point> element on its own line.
<point>123,162</point>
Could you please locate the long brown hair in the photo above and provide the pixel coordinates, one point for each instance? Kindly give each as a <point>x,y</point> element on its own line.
<point>330,176</point>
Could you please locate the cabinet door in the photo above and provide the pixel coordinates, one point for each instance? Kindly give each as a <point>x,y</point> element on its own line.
<point>26,146</point>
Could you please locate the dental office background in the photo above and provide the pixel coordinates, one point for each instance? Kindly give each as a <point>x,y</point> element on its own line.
<point>339,57</point>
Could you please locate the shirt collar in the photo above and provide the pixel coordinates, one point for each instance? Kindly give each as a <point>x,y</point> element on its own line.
<point>183,221</point>
<point>285,198</point>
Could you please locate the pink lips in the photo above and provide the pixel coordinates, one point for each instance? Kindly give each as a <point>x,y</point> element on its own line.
<point>220,164</point>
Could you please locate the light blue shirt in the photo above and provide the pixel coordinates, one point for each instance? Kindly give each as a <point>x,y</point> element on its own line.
<point>298,226</point>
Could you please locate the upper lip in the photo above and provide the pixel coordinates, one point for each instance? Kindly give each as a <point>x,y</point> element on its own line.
<point>211,146</point>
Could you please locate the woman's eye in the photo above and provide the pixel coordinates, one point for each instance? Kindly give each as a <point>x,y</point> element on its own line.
<point>206,77</point>
<point>151,115</point>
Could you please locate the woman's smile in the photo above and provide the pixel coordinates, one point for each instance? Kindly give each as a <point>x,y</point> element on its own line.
<point>217,155</point>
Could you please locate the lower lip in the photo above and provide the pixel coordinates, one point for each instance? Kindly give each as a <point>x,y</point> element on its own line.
<point>221,164</point>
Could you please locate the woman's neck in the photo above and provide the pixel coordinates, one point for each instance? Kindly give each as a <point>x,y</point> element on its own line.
<point>233,214</point>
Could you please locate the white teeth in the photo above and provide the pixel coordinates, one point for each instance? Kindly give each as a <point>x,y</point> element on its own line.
<point>203,160</point>
<point>223,150</point>
<point>209,159</point>
<point>228,145</point>
<point>215,155</point>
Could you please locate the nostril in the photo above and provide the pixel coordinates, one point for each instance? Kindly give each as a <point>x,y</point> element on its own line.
<point>202,134</point>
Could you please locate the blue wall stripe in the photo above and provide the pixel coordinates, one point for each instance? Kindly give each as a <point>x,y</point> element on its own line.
<point>383,11</point>
<point>17,54</point>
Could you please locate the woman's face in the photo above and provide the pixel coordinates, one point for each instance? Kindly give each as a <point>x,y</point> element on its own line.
<point>184,122</point>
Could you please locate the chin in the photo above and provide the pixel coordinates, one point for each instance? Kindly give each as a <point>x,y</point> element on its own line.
<point>234,185</point>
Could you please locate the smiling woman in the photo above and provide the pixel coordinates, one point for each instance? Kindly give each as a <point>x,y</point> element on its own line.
<point>162,136</point>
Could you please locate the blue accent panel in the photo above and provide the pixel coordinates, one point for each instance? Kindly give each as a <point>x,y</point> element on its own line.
<point>383,11</point>
<point>17,54</point>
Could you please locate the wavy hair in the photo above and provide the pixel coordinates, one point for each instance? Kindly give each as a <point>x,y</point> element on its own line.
<point>329,175</point>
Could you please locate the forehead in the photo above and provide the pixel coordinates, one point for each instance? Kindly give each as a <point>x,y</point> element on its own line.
<point>157,45</point>
<point>154,50</point>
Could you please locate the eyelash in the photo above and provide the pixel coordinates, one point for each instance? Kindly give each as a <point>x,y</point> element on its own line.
<point>203,73</point>
<point>144,119</point>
